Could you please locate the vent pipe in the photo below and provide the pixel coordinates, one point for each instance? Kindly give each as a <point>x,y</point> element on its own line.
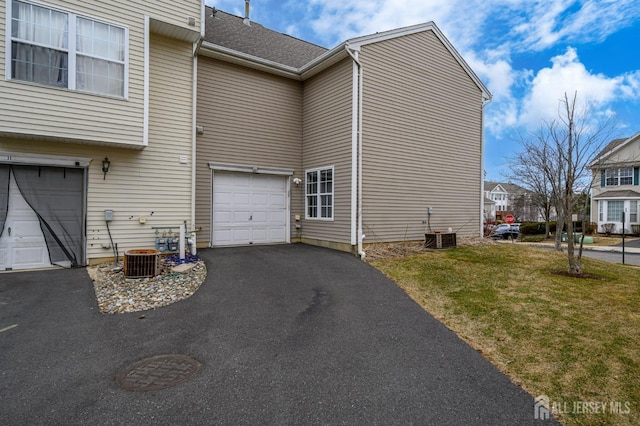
<point>246,20</point>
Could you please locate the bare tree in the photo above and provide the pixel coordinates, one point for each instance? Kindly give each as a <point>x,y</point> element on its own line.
<point>527,169</point>
<point>559,153</point>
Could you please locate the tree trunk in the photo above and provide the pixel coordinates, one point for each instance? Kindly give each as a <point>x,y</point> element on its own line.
<point>559,226</point>
<point>574,267</point>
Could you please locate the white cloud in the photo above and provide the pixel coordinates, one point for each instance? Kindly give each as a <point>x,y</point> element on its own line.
<point>630,87</point>
<point>566,75</point>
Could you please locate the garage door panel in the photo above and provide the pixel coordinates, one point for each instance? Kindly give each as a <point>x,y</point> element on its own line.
<point>241,217</point>
<point>260,235</point>
<point>222,217</point>
<point>277,234</point>
<point>260,217</point>
<point>30,257</point>
<point>276,217</point>
<point>224,198</point>
<point>27,229</point>
<point>241,235</point>
<point>224,236</point>
<point>277,200</point>
<point>260,200</point>
<point>256,212</point>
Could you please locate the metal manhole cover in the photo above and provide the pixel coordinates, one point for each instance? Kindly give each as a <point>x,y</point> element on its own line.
<point>158,372</point>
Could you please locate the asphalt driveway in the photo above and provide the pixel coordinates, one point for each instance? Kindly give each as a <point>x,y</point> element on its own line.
<point>288,334</point>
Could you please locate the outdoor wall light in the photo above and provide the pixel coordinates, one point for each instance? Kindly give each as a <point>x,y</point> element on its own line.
<point>105,167</point>
<point>297,181</point>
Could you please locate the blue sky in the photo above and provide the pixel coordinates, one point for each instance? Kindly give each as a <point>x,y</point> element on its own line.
<point>527,52</point>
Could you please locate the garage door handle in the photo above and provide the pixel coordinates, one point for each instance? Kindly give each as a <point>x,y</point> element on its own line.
<point>251,217</point>
<point>9,230</point>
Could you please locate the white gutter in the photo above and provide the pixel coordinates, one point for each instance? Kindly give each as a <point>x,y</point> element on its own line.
<point>358,143</point>
<point>233,56</point>
<point>322,62</point>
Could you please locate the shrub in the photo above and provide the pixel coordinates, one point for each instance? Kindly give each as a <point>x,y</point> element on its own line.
<point>532,228</point>
<point>533,239</point>
<point>591,228</point>
<point>608,228</point>
<point>536,228</point>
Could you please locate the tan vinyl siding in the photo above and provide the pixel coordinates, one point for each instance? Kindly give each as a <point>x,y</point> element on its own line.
<point>150,183</point>
<point>421,140</point>
<point>43,112</point>
<point>327,142</point>
<point>250,118</point>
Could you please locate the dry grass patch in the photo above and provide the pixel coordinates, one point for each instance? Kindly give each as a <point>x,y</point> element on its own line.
<point>571,339</point>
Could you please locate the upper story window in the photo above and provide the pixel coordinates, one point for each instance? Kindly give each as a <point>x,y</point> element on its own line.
<point>319,193</point>
<point>61,49</point>
<point>617,177</point>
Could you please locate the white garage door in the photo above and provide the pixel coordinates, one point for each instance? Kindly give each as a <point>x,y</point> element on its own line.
<point>41,216</point>
<point>249,209</point>
<point>22,245</point>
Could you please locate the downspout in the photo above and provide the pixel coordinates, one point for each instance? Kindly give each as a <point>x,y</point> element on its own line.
<point>359,236</point>
<point>194,122</point>
<point>194,101</point>
<point>485,102</point>
<point>145,119</point>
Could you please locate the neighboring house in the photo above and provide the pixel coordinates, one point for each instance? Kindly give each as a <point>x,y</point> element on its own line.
<point>510,198</point>
<point>499,196</point>
<point>82,81</point>
<point>616,184</point>
<point>301,143</point>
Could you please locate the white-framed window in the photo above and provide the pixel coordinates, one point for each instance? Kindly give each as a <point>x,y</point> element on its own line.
<point>626,176</point>
<point>617,177</point>
<point>600,211</point>
<point>319,193</point>
<point>614,211</point>
<point>633,212</point>
<point>57,48</point>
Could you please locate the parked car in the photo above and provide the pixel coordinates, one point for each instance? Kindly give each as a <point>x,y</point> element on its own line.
<point>505,231</point>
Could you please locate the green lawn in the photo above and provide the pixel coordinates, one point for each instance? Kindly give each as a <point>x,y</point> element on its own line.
<point>575,340</point>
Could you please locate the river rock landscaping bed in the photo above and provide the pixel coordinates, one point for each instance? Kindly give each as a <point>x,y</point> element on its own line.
<point>116,293</point>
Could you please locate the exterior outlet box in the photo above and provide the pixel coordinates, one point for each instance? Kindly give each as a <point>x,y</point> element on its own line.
<point>297,217</point>
<point>184,159</point>
<point>142,220</point>
<point>108,215</point>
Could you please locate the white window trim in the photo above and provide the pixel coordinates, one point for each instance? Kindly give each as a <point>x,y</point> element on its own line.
<point>319,205</point>
<point>71,48</point>
<point>618,176</point>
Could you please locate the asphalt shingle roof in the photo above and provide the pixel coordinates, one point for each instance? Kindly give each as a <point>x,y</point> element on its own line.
<point>226,30</point>
<point>618,193</point>
<point>511,188</point>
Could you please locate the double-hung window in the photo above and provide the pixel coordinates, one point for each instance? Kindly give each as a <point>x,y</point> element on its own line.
<point>626,176</point>
<point>319,193</point>
<point>600,211</point>
<point>614,211</point>
<point>617,177</point>
<point>61,49</point>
